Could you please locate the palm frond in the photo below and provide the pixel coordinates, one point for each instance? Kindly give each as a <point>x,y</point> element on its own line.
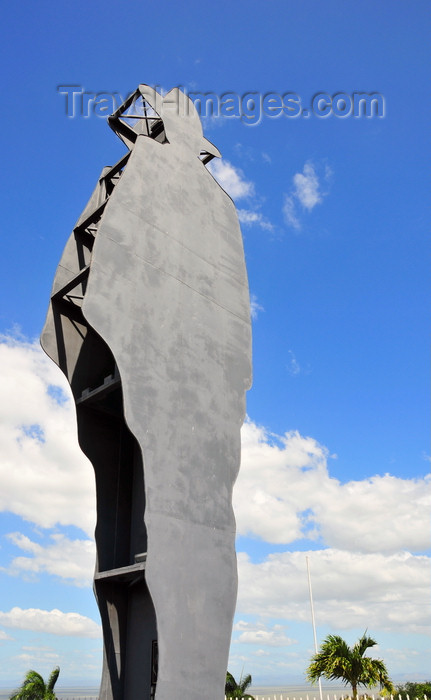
<point>235,690</point>
<point>231,683</point>
<point>363,644</point>
<point>244,682</point>
<point>53,678</point>
<point>33,687</point>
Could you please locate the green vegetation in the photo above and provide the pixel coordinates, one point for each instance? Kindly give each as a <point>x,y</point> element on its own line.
<point>237,690</point>
<point>35,688</point>
<point>337,661</point>
<point>414,690</point>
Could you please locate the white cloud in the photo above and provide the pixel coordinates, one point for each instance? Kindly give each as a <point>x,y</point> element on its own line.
<point>261,634</point>
<point>306,191</point>
<point>51,622</point>
<point>43,473</point>
<point>212,121</point>
<point>4,636</point>
<point>272,489</point>
<point>284,492</point>
<point>290,213</point>
<point>232,179</point>
<point>306,187</point>
<point>293,364</point>
<point>349,589</point>
<point>47,656</point>
<point>382,513</point>
<point>249,218</point>
<point>75,662</point>
<point>70,559</point>
<point>48,650</point>
<point>255,307</point>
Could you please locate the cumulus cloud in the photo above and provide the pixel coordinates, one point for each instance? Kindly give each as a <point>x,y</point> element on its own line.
<point>51,621</point>
<point>306,187</point>
<point>50,656</point>
<point>232,179</point>
<point>72,560</point>
<point>284,492</point>
<point>260,633</point>
<point>77,658</point>
<point>43,473</point>
<point>377,513</point>
<point>306,191</point>
<point>4,636</point>
<point>45,478</point>
<point>349,589</point>
<point>250,218</point>
<point>236,185</point>
<point>272,483</point>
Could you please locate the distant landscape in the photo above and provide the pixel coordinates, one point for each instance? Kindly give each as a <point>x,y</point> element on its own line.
<point>284,692</point>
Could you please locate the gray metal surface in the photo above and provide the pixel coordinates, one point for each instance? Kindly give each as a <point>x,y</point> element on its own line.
<point>150,321</point>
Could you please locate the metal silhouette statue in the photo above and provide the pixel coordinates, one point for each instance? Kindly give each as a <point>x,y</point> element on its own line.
<point>150,322</point>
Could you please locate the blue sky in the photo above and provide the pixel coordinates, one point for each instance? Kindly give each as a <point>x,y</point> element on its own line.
<point>334,215</point>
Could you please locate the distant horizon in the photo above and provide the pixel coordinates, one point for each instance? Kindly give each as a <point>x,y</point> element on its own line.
<point>288,691</point>
<point>332,686</point>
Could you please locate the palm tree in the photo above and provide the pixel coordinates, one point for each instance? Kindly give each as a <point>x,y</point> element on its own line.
<point>237,690</point>
<point>337,661</point>
<point>35,688</point>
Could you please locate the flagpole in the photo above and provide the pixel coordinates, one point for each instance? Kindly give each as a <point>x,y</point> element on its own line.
<point>313,620</point>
